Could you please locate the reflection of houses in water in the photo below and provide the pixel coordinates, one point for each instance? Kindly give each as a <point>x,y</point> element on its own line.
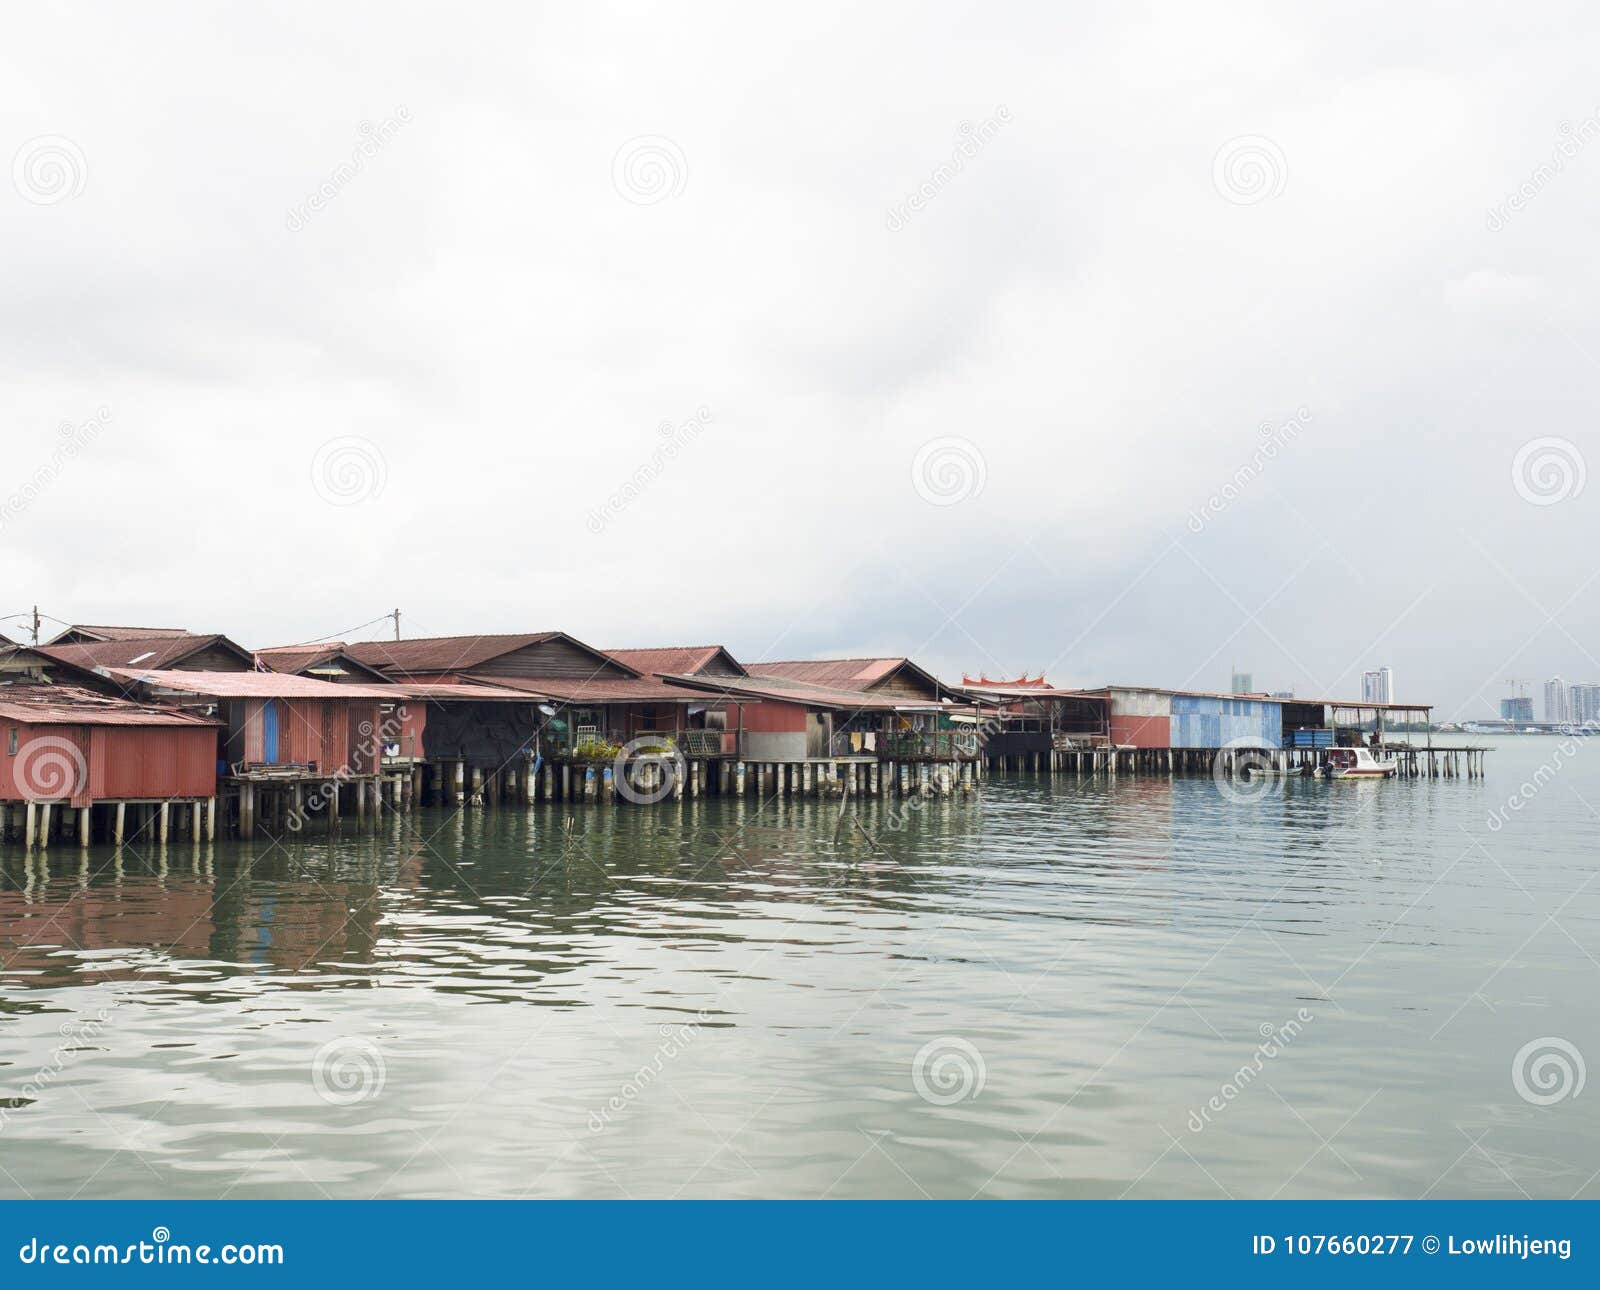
<point>117,927</point>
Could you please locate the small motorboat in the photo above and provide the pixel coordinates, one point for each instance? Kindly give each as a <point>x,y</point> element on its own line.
<point>1359,763</point>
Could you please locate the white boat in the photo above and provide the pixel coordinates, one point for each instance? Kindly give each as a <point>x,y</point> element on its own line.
<point>1359,763</point>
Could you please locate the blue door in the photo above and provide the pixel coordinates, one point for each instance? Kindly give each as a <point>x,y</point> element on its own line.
<point>269,732</point>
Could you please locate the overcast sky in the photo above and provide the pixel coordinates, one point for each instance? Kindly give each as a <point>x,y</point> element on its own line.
<point>823,330</point>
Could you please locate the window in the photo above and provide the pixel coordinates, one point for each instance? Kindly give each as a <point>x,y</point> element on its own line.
<point>11,742</point>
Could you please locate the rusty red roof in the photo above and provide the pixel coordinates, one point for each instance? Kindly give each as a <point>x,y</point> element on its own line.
<point>786,691</point>
<point>991,690</point>
<point>615,689</point>
<point>687,659</point>
<point>842,673</point>
<point>300,659</point>
<point>96,632</point>
<point>148,651</point>
<point>250,685</point>
<point>454,653</point>
<point>462,691</point>
<point>67,705</point>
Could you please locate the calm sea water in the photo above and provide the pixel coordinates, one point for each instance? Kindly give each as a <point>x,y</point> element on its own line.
<point>1072,988</point>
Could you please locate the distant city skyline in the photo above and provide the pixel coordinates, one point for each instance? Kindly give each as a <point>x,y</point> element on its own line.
<point>1377,686</point>
<point>1518,708</point>
<point>1555,700</point>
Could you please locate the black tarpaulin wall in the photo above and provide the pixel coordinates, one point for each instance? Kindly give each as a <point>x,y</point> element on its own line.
<point>489,734</point>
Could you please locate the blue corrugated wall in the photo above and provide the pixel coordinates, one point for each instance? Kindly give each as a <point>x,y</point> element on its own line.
<point>1199,722</point>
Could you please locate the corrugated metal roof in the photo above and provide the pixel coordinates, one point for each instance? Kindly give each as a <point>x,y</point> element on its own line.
<point>304,658</point>
<point>442,653</point>
<point>787,691</point>
<point>996,690</point>
<point>462,691</point>
<point>687,659</point>
<point>644,689</point>
<point>96,631</point>
<point>148,651</point>
<point>251,685</point>
<point>843,673</point>
<point>67,705</point>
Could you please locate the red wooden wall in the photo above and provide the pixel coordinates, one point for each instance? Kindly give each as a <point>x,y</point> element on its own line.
<point>100,763</point>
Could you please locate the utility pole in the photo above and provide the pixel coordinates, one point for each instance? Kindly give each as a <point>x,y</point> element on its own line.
<point>396,617</point>
<point>36,625</point>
